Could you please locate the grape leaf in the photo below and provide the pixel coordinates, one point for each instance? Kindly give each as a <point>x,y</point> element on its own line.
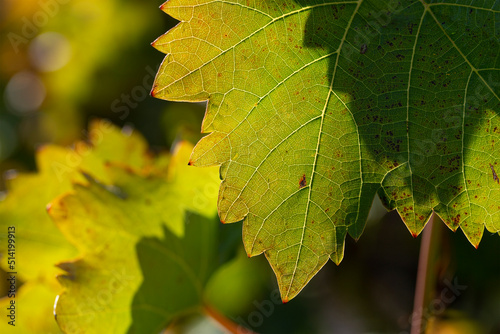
<point>40,244</point>
<point>136,271</point>
<point>316,106</point>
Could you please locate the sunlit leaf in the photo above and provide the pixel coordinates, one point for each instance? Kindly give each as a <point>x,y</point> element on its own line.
<point>315,106</point>
<point>138,268</point>
<point>39,243</point>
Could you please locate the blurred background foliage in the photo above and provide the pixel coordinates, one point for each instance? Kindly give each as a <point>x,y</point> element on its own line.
<point>63,63</point>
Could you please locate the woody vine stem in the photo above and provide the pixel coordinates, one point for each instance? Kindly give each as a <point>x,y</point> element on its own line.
<point>427,273</point>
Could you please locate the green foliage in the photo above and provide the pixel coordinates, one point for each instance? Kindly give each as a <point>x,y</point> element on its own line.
<point>315,107</point>
<point>40,243</point>
<point>144,227</point>
<point>79,58</point>
<point>136,272</point>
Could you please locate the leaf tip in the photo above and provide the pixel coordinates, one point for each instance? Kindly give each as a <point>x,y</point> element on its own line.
<point>153,91</point>
<point>163,6</point>
<point>48,207</point>
<point>285,300</point>
<point>414,234</point>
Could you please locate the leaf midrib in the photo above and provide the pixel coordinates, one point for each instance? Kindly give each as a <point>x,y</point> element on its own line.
<point>301,244</point>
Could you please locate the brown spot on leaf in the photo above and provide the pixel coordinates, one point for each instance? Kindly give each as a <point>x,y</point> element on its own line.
<point>363,49</point>
<point>302,182</point>
<point>495,177</point>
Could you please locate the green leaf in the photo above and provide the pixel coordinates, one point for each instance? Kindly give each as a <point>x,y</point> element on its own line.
<point>39,243</point>
<point>138,268</point>
<point>236,285</point>
<point>315,106</point>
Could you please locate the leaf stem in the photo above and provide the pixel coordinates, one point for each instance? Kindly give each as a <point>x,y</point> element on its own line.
<point>426,274</point>
<point>225,322</point>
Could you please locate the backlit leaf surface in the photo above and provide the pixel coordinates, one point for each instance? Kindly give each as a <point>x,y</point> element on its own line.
<point>315,106</point>
<point>148,245</point>
<point>39,243</point>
